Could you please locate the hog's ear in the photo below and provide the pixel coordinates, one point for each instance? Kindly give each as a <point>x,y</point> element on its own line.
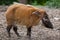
<point>36,13</point>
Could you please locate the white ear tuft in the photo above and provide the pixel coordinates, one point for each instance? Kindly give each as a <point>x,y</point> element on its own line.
<point>36,12</point>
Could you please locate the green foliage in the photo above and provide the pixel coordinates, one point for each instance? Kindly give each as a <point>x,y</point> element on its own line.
<point>33,2</point>
<point>37,2</point>
<point>50,3</point>
<point>7,2</point>
<point>41,2</point>
<point>53,3</point>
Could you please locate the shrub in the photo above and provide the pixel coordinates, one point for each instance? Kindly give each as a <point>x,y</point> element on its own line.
<point>53,3</point>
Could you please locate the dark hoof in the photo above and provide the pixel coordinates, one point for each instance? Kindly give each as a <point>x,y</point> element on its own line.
<point>28,35</point>
<point>8,36</point>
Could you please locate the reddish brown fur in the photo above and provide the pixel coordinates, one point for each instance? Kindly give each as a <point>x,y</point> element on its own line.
<point>22,14</point>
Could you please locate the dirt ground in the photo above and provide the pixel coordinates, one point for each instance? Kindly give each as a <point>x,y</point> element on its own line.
<point>39,32</point>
